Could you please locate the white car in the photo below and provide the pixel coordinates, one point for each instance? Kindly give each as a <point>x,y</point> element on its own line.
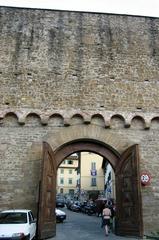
<point>60,215</point>
<point>17,225</point>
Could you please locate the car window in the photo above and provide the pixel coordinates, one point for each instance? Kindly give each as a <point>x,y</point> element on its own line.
<point>31,217</point>
<point>13,217</point>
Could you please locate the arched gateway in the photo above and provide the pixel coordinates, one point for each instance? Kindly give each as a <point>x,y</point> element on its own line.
<point>122,155</point>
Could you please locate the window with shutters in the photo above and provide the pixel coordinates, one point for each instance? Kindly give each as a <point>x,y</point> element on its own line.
<point>61,181</point>
<point>93,182</point>
<point>93,165</point>
<point>70,181</point>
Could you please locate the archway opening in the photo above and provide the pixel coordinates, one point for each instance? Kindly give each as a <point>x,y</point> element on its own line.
<point>126,169</point>
<point>85,183</point>
<point>82,170</point>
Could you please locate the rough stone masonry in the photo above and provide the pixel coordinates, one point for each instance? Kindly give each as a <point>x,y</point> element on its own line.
<point>60,69</point>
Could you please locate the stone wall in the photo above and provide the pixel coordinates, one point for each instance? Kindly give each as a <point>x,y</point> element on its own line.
<point>60,69</point>
<point>91,61</point>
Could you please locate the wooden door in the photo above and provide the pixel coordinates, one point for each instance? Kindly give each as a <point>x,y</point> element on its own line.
<point>128,194</point>
<point>46,209</point>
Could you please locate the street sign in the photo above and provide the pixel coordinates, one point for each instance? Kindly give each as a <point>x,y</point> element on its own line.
<point>145,178</point>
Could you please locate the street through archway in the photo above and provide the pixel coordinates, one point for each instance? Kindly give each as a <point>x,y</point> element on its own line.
<point>79,226</point>
<point>128,199</point>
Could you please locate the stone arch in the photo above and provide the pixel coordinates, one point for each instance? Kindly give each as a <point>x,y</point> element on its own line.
<point>90,145</point>
<point>117,121</point>
<point>98,119</point>
<point>76,119</point>
<point>115,149</point>
<point>10,119</point>
<point>89,132</point>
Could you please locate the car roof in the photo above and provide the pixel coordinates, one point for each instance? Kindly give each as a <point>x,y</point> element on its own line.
<point>16,210</point>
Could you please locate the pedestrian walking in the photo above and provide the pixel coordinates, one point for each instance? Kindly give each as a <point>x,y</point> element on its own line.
<point>112,218</point>
<point>106,219</point>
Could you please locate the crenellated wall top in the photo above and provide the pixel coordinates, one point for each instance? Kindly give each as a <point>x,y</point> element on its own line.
<point>86,116</point>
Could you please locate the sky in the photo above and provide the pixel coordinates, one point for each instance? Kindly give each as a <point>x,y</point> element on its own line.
<point>131,7</point>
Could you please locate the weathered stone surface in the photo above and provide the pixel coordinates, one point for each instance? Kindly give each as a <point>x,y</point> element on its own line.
<point>68,74</point>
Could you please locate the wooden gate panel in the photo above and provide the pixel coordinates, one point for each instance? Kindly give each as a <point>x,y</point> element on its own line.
<point>46,212</point>
<point>128,194</point>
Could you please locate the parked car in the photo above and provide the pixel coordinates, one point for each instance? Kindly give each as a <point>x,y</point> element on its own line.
<point>69,204</point>
<point>60,215</point>
<point>60,202</point>
<point>76,207</point>
<point>17,224</point>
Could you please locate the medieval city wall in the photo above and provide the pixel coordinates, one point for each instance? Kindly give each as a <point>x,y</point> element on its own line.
<point>59,69</point>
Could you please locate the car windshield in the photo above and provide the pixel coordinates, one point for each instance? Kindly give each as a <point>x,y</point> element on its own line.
<point>13,217</point>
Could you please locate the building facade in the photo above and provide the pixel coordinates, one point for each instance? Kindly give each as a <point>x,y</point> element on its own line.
<point>80,82</point>
<point>91,175</point>
<point>109,182</point>
<point>67,176</point>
